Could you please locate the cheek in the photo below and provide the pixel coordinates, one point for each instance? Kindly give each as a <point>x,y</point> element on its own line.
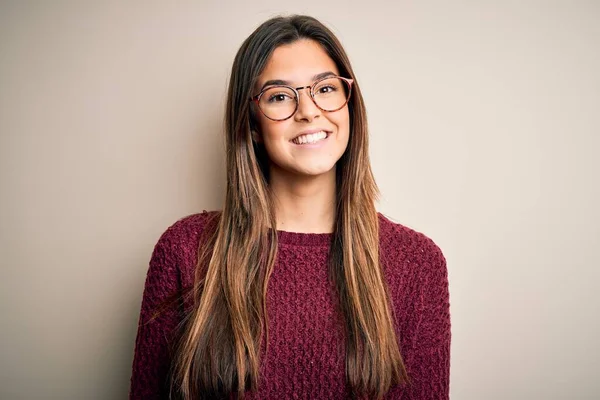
<point>343,122</point>
<point>273,135</point>
<point>272,131</point>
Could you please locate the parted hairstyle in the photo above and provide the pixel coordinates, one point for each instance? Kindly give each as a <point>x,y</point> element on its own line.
<point>218,352</point>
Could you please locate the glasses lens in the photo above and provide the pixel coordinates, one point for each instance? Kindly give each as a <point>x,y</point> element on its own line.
<point>278,102</point>
<point>331,94</point>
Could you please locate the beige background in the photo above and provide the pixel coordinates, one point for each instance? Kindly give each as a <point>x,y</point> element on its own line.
<point>485,133</point>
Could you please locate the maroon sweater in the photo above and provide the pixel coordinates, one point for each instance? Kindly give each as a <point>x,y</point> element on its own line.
<point>306,338</point>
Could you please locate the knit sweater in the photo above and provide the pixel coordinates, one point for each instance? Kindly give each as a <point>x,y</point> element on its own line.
<point>306,342</point>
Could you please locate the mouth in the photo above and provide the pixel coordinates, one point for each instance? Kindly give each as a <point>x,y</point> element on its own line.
<point>311,137</point>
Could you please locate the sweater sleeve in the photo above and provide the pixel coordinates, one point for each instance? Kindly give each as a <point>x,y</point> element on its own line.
<point>427,332</point>
<point>152,357</point>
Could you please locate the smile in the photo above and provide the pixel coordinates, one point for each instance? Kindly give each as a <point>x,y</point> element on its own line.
<point>310,138</point>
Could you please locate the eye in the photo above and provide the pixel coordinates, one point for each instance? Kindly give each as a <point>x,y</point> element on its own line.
<point>279,97</point>
<point>326,89</point>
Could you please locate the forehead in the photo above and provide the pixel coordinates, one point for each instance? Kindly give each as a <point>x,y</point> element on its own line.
<point>297,62</point>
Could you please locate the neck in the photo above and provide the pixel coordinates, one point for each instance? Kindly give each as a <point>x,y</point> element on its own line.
<point>304,204</point>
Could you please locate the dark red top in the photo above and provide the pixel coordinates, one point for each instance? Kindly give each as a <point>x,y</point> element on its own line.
<point>306,338</point>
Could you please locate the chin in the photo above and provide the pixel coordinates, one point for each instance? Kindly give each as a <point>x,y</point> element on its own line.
<point>317,171</point>
<point>305,168</point>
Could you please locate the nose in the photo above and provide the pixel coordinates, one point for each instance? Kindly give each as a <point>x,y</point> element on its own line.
<point>307,109</point>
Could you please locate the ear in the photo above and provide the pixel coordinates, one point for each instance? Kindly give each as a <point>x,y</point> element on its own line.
<point>256,136</point>
<point>254,131</point>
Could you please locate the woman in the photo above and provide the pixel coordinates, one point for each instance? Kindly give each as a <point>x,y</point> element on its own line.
<point>298,288</point>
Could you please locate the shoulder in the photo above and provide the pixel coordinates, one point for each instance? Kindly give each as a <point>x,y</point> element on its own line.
<point>187,231</point>
<point>395,237</point>
<point>409,258</point>
<point>176,251</point>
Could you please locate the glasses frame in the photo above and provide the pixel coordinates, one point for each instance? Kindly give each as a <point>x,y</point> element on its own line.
<point>256,99</point>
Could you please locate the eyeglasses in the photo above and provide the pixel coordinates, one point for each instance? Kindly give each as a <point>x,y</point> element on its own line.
<point>280,102</point>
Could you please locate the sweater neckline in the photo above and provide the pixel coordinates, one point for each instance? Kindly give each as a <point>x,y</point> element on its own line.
<point>304,239</point>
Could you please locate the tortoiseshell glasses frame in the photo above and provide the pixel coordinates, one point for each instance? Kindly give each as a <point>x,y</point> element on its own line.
<point>348,82</point>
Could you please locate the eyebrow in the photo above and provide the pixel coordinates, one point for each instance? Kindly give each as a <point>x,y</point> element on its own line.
<point>288,83</point>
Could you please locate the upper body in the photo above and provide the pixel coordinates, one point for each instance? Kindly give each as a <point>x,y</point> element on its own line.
<point>349,304</point>
<point>306,336</point>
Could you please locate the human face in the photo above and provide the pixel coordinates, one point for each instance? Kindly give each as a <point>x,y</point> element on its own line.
<point>298,64</point>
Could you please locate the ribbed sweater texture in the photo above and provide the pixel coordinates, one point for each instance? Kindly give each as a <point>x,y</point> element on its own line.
<point>306,356</point>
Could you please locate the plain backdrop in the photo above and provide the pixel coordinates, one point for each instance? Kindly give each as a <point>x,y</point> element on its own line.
<point>485,126</point>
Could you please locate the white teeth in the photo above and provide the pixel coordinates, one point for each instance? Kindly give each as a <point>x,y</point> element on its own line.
<point>310,138</point>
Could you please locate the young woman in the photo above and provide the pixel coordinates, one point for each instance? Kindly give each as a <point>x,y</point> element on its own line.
<point>298,288</point>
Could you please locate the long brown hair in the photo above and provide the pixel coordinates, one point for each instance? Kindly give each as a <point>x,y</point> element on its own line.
<point>218,354</point>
